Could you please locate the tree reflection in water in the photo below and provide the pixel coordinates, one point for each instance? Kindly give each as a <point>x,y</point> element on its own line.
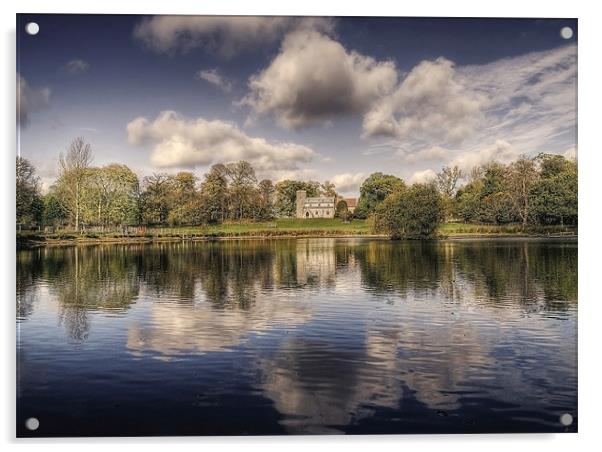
<point>333,332</point>
<point>234,273</point>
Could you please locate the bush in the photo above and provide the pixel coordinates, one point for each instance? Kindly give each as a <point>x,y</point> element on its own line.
<point>412,213</point>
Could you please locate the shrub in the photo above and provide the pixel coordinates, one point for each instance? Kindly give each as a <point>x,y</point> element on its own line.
<point>412,213</point>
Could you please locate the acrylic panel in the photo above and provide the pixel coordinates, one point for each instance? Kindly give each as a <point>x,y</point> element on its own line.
<point>295,225</point>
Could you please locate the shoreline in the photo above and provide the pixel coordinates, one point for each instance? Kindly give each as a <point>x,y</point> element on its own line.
<point>24,243</point>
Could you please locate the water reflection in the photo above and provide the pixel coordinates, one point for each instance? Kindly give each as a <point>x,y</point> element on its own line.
<point>334,333</point>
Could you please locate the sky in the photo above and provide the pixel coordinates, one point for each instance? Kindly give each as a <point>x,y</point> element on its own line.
<point>310,98</point>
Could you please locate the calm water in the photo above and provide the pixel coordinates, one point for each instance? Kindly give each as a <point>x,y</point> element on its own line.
<point>297,336</point>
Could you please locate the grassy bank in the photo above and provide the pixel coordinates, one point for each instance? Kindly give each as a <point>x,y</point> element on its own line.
<point>284,226</point>
<point>279,228</point>
<point>462,229</point>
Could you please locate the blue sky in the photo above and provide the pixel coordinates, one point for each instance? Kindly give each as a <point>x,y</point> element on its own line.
<point>308,98</point>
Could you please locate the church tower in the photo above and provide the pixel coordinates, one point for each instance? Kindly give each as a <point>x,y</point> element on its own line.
<point>301,197</point>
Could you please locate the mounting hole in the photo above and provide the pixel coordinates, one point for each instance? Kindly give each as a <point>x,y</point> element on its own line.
<point>566,419</point>
<point>566,32</point>
<point>32,423</point>
<point>32,28</point>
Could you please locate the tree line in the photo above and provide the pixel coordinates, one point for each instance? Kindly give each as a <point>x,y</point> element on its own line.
<point>530,191</point>
<point>540,190</point>
<point>113,196</point>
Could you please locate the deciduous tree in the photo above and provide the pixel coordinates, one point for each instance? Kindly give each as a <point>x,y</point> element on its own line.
<point>266,210</point>
<point>412,213</point>
<point>28,200</point>
<point>447,182</point>
<point>286,195</point>
<point>521,177</point>
<point>374,190</point>
<point>74,176</point>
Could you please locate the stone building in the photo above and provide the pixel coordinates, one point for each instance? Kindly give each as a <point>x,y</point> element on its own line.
<point>318,207</point>
<point>322,206</point>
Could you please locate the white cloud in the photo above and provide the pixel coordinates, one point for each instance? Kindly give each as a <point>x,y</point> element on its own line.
<point>421,177</point>
<point>501,151</point>
<point>426,154</point>
<point>183,142</point>
<point>531,99</point>
<point>315,79</point>
<point>29,99</point>
<point>431,103</point>
<point>214,77</point>
<point>304,174</point>
<point>224,35</point>
<point>77,66</point>
<point>348,182</point>
<point>527,105</point>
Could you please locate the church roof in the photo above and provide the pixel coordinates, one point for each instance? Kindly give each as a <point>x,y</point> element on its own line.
<point>351,202</point>
<point>320,199</point>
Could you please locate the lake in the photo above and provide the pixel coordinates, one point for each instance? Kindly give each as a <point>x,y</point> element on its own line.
<point>299,336</point>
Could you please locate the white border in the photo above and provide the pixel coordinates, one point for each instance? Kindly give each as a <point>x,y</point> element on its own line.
<point>590,168</point>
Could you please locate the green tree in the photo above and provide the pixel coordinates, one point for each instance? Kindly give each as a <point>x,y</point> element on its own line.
<point>342,210</point>
<point>112,195</point>
<point>286,195</point>
<point>28,201</point>
<point>374,190</point>
<point>411,213</point>
<point>554,195</point>
<point>55,212</point>
<point>214,194</point>
<point>494,179</point>
<point>242,189</point>
<point>266,191</point>
<point>495,204</point>
<point>467,201</point>
<point>154,200</point>
<point>551,165</point>
<point>496,208</point>
<point>184,200</point>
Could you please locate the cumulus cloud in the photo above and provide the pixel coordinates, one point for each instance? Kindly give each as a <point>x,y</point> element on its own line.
<point>182,142</point>
<point>526,105</point>
<point>214,77</point>
<point>348,182</point>
<point>432,102</point>
<point>224,35</point>
<point>77,66</point>
<point>421,177</point>
<point>314,79</point>
<point>29,99</point>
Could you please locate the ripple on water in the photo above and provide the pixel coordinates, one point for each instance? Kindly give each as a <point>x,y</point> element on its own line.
<point>313,336</point>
